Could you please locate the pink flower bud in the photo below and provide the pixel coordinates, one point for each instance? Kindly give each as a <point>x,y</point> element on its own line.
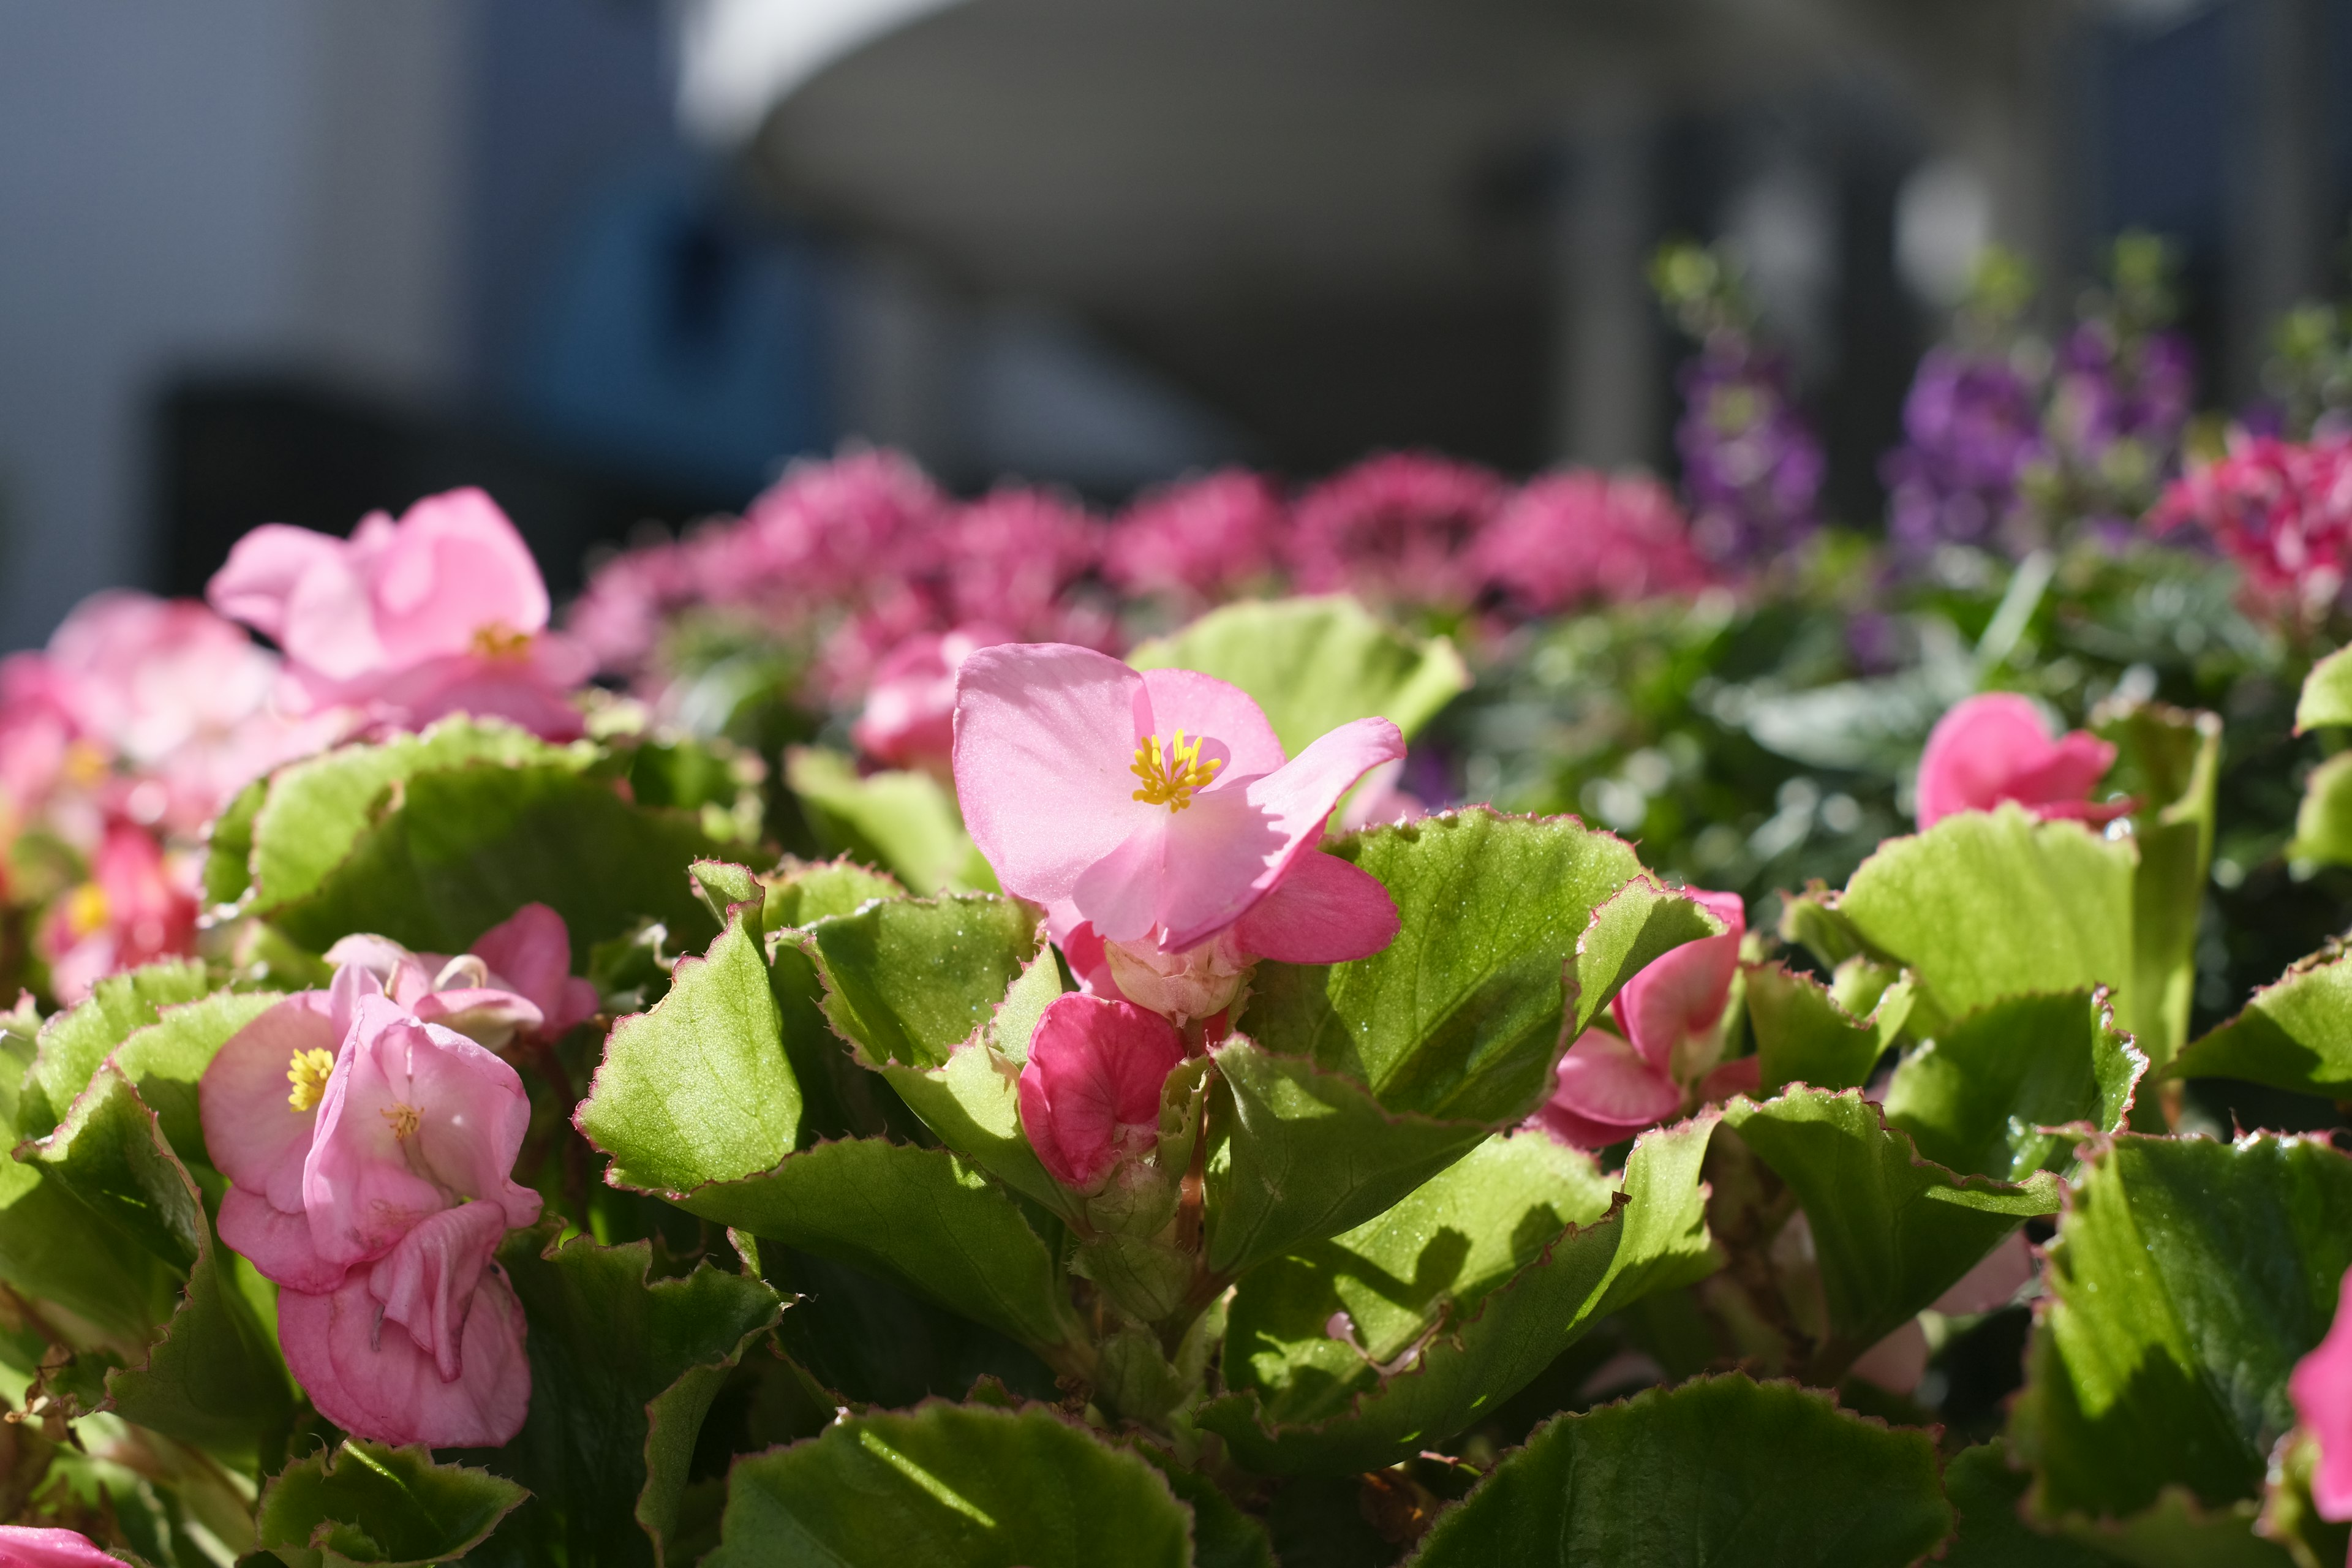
<point>1994,748</point>
<point>1090,1089</point>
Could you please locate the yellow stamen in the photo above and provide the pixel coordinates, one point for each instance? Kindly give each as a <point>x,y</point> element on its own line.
<point>500,641</point>
<point>86,909</point>
<point>1171,772</point>
<point>308,1072</point>
<point>85,765</point>
<point>402,1119</point>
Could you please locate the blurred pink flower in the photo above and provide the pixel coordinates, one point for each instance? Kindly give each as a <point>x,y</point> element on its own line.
<point>2282,510</point>
<point>22,1546</point>
<point>824,532</point>
<point>517,979</point>
<point>136,907</point>
<point>1200,540</point>
<point>1399,529</point>
<point>2321,1388</point>
<point>1994,747</point>
<point>1090,1089</point>
<point>1051,742</point>
<point>1582,537</point>
<point>1611,1086</point>
<point>909,718</point>
<point>375,1194</point>
<point>1008,558</point>
<point>620,616</point>
<point>443,612</point>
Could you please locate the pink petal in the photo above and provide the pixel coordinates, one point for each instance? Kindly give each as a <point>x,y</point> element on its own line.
<point>1741,1075</point>
<point>1090,1089</point>
<point>488,1016</point>
<point>1994,1281</point>
<point>259,580</point>
<point>427,1283</point>
<point>1896,1363</point>
<point>1045,735</point>
<point>1203,706</point>
<point>454,567</point>
<point>529,952</point>
<point>1119,893</point>
<point>473,1113</point>
<point>359,1186</point>
<point>1083,946</point>
<point>1607,1092</point>
<point>2321,1388</point>
<point>1682,993</point>
<point>374,1383</point>
<point>1324,910</point>
<point>406,977</point>
<point>275,1241</point>
<point>253,1134</point>
<point>23,1546</point>
<point>1993,748</point>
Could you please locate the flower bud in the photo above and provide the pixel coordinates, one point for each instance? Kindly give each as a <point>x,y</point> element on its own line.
<point>1198,982</point>
<point>1090,1089</point>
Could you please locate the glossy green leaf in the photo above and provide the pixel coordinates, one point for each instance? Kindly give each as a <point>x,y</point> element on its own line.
<point>803,892</point>
<point>73,1043</point>
<point>1802,1036</point>
<point>623,1368</point>
<point>2169,761</point>
<point>1315,664</point>
<point>2327,697</point>
<point>1974,1098</point>
<point>1719,1471</point>
<point>382,1508</point>
<point>952,1487</point>
<point>972,1101</point>
<point>166,1059</point>
<point>905,823</point>
<point>698,1089</point>
<point>2188,1278</point>
<point>922,1216</point>
<point>1991,904</point>
<point>1462,1016</point>
<point>2295,1034</point>
<point>228,846</point>
<point>1452,1300</point>
<point>2322,823</point>
<point>1892,1231</point>
<point>909,980</point>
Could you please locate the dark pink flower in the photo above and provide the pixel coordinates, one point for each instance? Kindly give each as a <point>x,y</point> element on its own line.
<point>1199,540</point>
<point>1994,747</point>
<point>909,718</point>
<point>1611,1086</point>
<point>2321,1388</point>
<point>136,907</point>
<point>443,612</point>
<point>1008,559</point>
<point>1400,528</point>
<point>824,532</point>
<point>1582,537</point>
<point>2281,510</point>
<point>1090,1089</point>
<point>22,1546</point>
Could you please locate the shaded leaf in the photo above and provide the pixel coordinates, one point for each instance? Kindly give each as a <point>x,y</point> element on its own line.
<point>1990,1496</point>
<point>1802,1036</point>
<point>166,1059</point>
<point>2322,823</point>
<point>972,1101</point>
<point>386,1507</point>
<point>905,823</point>
<point>1974,1097</point>
<point>2295,1034</point>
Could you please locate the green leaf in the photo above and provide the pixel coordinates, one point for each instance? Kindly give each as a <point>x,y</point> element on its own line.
<point>2327,697</point>
<point>386,1507</point>
<point>623,1368</point>
<point>228,846</point>
<point>1463,1014</point>
<point>2169,761</point>
<point>1989,1495</point>
<point>1456,1298</point>
<point>74,1042</point>
<point>972,1101</point>
<point>698,1089</point>
<point>905,823</point>
<point>803,892</point>
<point>2187,1280</point>
<point>909,980</point>
<point>2322,823</point>
<point>1991,904</point>
<point>1892,1231</point>
<point>2295,1034</point>
<point>2289,1515</point>
<point>1720,1470</point>
<point>952,1487</point>
<point>1973,1098</point>
<point>213,1378</point>
<point>1222,1536</point>
<point>1315,664</point>
<point>1802,1036</point>
<point>922,1216</point>
<point>166,1061</point>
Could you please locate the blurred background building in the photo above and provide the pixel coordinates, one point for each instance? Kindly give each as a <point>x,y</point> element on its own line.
<point>617,260</point>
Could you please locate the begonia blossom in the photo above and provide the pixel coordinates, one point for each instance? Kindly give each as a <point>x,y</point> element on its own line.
<point>1579,537</point>
<point>1400,528</point>
<point>1668,1038</point>
<point>443,612</point>
<point>137,906</point>
<point>2321,1387</point>
<point>368,1153</point>
<point>22,1546</point>
<point>1995,747</point>
<point>2281,510</point>
<point>909,718</point>
<point>1090,1089</point>
<point>517,978</point>
<point>1158,809</point>
<point>1199,539</point>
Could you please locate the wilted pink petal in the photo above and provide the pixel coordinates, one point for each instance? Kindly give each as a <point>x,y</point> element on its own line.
<point>1090,1089</point>
<point>1606,1093</point>
<point>2321,1388</point>
<point>529,953</point>
<point>367,1375</point>
<point>1197,982</point>
<point>1681,994</point>
<point>22,1546</point>
<point>427,1283</point>
<point>909,718</point>
<point>1993,748</point>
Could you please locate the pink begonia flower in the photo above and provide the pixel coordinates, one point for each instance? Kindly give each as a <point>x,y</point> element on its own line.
<point>909,718</point>
<point>374,1191</point>
<point>137,906</point>
<point>443,612</point>
<point>22,1546</point>
<point>1575,538</point>
<point>2281,510</point>
<point>823,532</point>
<point>1090,1089</point>
<point>517,978</point>
<point>1199,539</point>
<point>1219,843</point>
<point>1398,528</point>
<point>1611,1086</point>
<point>1994,747</point>
<point>2321,1387</point>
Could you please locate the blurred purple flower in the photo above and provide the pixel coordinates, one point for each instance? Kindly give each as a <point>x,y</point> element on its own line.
<point>1971,425</point>
<point>1752,468</point>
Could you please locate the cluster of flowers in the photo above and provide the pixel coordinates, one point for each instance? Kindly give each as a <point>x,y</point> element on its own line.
<point>143,717</point>
<point>2281,510</point>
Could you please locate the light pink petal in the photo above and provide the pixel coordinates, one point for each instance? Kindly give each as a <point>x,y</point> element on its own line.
<point>1090,1089</point>
<point>258,581</point>
<point>427,1283</point>
<point>1204,706</point>
<point>376,1383</point>
<point>360,1187</point>
<point>1606,1093</point>
<point>453,569</point>
<point>1994,1281</point>
<point>488,1016</point>
<point>2321,1388</point>
<point>1324,910</point>
<point>23,1546</point>
<point>275,1241</point>
<point>330,629</point>
<point>472,1114</point>
<point>1896,1363</point>
<point>1994,747</point>
<point>406,977</point>
<point>514,690</point>
<point>253,1134</point>
<point>1682,993</point>
<point>1206,889</point>
<point>1118,893</point>
<point>529,952</point>
<point>1045,736</point>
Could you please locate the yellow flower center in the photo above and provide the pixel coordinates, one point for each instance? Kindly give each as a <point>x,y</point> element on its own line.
<point>308,1072</point>
<point>1171,771</point>
<point>500,641</point>
<point>85,765</point>
<point>86,909</point>
<point>402,1119</point>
